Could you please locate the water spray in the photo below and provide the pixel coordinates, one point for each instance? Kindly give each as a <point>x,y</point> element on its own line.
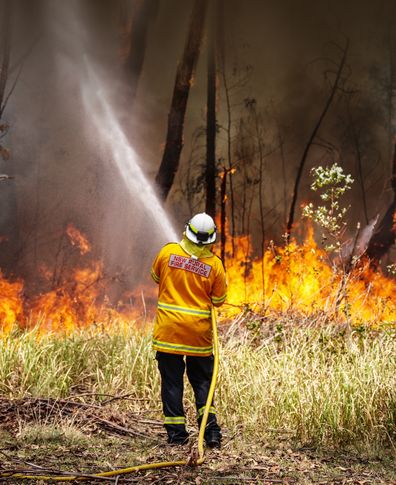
<point>103,117</point>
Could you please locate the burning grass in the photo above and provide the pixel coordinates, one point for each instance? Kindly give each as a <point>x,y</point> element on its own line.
<point>314,384</point>
<point>301,278</point>
<point>293,279</point>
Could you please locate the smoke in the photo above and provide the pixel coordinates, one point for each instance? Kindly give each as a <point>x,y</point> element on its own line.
<point>73,161</point>
<point>294,49</point>
<point>61,159</point>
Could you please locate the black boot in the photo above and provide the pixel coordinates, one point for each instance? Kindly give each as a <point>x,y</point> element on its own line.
<point>213,438</point>
<point>212,432</point>
<point>177,435</point>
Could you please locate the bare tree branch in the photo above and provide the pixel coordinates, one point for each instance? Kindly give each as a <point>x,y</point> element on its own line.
<point>312,138</point>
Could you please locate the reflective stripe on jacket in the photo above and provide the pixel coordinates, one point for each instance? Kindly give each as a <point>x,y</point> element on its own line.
<point>188,288</point>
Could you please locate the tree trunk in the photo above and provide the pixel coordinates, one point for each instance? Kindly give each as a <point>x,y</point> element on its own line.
<point>5,51</point>
<point>390,93</point>
<point>223,198</point>
<point>210,170</point>
<point>311,140</point>
<point>145,12</point>
<point>359,158</point>
<point>185,72</point>
<point>8,201</point>
<point>261,202</point>
<point>385,236</point>
<point>222,62</point>
<point>284,177</point>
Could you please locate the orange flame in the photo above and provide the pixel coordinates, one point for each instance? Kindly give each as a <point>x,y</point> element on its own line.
<point>70,305</point>
<point>11,307</point>
<point>75,300</point>
<point>78,239</point>
<point>295,278</point>
<point>302,279</point>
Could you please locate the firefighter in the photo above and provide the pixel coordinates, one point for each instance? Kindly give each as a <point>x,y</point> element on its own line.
<point>191,279</point>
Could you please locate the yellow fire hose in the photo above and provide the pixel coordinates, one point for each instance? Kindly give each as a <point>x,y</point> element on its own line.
<point>192,460</point>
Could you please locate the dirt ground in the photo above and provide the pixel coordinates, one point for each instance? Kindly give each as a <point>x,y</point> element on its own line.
<point>63,436</point>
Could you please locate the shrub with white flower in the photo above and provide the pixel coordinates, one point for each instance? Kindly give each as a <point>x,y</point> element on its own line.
<point>391,269</point>
<point>331,182</point>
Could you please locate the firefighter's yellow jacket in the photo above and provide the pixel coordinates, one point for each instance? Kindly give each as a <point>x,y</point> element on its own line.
<point>188,287</point>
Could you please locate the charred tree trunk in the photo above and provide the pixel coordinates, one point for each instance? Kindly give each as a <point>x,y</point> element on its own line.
<point>210,172</point>
<point>361,177</point>
<point>311,139</point>
<point>145,11</point>
<point>284,177</point>
<point>390,92</point>
<point>222,62</point>
<point>240,155</point>
<point>223,198</point>
<point>185,71</point>
<point>359,158</point>
<point>385,236</point>
<point>8,201</point>
<point>5,51</point>
<point>260,191</point>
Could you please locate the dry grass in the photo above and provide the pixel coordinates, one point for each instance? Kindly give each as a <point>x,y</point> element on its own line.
<point>309,384</point>
<point>299,403</point>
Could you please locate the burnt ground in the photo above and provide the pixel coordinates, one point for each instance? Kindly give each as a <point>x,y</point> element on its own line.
<point>70,436</point>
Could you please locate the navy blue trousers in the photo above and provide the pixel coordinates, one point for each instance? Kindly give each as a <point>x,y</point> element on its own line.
<point>199,373</point>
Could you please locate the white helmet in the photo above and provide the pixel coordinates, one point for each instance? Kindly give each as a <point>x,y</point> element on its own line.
<point>201,229</point>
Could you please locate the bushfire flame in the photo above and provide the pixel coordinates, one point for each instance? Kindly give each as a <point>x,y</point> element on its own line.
<point>11,302</point>
<point>302,279</point>
<point>295,278</point>
<point>77,299</point>
<point>78,239</point>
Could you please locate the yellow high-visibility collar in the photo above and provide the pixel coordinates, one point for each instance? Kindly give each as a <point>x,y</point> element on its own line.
<point>195,250</point>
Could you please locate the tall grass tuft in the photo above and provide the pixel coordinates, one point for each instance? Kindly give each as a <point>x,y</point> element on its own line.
<point>320,386</point>
<point>316,385</point>
<point>53,365</point>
